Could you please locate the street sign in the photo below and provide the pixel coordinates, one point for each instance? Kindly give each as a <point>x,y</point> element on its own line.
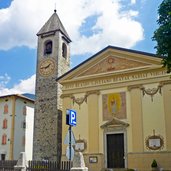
<point>70,139</point>
<point>72,117</point>
<point>66,140</point>
<point>68,153</point>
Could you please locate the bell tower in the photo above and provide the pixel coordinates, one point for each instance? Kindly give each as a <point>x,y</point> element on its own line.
<point>53,60</point>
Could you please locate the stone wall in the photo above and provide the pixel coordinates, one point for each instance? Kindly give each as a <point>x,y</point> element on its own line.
<point>45,127</point>
<point>48,104</point>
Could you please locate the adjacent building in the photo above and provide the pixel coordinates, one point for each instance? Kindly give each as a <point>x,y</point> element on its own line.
<point>122,99</point>
<point>16,126</point>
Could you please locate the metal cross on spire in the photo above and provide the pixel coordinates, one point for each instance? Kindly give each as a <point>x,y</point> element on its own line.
<point>55,8</point>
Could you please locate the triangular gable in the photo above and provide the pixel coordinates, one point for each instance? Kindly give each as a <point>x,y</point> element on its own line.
<point>112,60</point>
<point>112,63</point>
<point>115,122</point>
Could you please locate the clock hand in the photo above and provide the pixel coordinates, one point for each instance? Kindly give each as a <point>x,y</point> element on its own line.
<point>45,67</point>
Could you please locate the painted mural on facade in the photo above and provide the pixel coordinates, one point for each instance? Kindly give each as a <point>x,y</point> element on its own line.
<point>114,105</point>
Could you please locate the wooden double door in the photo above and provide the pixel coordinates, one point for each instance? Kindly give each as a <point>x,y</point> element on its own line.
<point>115,150</point>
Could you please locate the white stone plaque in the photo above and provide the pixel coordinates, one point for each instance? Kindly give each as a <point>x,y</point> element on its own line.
<point>154,143</point>
<point>79,146</point>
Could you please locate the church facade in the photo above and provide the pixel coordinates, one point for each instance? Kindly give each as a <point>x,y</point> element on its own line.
<point>122,99</point>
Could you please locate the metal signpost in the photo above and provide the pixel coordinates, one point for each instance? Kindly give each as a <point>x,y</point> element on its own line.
<point>71,120</point>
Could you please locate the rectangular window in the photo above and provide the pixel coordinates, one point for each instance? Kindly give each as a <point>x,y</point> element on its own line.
<point>24,110</point>
<point>5,108</point>
<point>24,124</point>
<point>4,139</point>
<point>4,124</point>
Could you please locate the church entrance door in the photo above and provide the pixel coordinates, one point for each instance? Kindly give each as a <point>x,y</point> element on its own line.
<point>115,150</point>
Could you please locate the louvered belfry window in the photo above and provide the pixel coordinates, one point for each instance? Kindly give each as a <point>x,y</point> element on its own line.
<point>48,47</point>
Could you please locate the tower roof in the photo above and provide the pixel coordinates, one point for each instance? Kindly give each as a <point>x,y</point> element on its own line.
<point>52,25</point>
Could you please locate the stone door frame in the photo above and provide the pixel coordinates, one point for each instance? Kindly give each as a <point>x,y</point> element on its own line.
<point>125,144</point>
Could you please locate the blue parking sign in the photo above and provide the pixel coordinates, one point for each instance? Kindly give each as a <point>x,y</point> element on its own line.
<point>72,117</point>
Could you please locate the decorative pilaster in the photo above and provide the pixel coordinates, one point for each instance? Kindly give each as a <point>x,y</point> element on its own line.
<point>93,118</point>
<point>136,118</point>
<point>166,90</point>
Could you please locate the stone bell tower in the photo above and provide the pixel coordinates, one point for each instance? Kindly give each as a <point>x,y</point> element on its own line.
<point>53,60</point>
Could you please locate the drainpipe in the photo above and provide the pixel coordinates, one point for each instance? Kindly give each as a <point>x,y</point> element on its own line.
<point>12,129</point>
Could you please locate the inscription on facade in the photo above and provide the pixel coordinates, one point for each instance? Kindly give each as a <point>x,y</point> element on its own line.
<point>113,79</point>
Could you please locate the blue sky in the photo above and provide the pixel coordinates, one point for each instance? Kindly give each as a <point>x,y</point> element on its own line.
<point>123,23</point>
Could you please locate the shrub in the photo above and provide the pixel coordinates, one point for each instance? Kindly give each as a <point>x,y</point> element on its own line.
<point>154,163</point>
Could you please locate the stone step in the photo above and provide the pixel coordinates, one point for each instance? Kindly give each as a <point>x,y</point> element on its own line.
<point>117,169</point>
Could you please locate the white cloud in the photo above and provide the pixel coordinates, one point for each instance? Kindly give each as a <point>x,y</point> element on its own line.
<point>25,86</point>
<point>116,27</point>
<point>133,1</point>
<point>4,80</point>
<point>22,20</point>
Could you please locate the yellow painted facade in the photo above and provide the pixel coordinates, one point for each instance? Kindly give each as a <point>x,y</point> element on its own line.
<point>122,98</point>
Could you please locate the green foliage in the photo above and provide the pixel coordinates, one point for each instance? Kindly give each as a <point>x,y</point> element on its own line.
<point>130,170</point>
<point>154,163</point>
<point>163,34</point>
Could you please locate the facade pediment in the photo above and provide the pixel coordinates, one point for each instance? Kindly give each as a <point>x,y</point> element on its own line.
<point>115,122</point>
<point>112,61</point>
<point>113,64</point>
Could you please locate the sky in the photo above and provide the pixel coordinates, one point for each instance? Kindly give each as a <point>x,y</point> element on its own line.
<point>91,24</point>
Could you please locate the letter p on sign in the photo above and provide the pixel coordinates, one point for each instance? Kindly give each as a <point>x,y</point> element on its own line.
<point>72,118</point>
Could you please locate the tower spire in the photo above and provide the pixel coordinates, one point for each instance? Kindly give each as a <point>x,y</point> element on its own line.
<point>53,25</point>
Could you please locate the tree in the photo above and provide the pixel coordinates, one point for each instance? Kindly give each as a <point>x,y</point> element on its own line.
<point>163,34</point>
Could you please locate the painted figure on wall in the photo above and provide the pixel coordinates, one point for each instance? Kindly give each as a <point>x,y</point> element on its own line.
<point>114,105</point>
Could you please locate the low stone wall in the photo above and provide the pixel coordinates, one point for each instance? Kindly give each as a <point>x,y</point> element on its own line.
<point>94,161</point>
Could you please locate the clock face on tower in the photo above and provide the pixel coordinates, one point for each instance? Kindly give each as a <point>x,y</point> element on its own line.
<point>47,67</point>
